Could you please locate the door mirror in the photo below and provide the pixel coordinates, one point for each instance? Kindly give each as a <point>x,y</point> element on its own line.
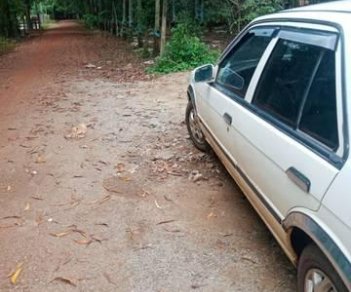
<point>204,73</point>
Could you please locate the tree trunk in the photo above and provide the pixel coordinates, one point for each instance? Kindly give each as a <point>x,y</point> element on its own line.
<point>156,49</point>
<point>196,9</point>
<point>115,19</point>
<point>140,24</point>
<point>130,20</point>
<point>130,13</point>
<point>124,19</point>
<point>174,17</point>
<point>38,14</point>
<point>8,20</point>
<point>27,12</point>
<point>202,11</point>
<point>164,26</point>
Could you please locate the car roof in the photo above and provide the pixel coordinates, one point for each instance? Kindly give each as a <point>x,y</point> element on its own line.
<point>333,6</point>
<point>338,12</point>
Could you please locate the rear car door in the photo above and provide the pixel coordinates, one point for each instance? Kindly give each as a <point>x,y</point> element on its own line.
<point>289,138</point>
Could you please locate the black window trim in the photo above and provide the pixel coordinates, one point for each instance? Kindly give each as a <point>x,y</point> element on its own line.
<point>308,141</point>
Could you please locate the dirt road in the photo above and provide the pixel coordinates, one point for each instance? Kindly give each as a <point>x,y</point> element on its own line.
<point>100,187</point>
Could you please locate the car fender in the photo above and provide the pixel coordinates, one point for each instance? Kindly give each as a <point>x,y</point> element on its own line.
<point>308,221</point>
<point>191,95</point>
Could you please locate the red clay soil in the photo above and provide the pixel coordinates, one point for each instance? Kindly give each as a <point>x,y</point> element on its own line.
<point>100,187</point>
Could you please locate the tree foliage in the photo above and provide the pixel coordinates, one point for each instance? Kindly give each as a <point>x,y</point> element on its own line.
<point>141,19</point>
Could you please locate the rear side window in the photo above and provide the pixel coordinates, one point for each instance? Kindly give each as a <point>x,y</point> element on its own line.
<point>236,69</point>
<point>297,87</point>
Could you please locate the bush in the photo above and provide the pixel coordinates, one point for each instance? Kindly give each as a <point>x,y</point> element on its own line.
<point>91,21</point>
<point>184,51</point>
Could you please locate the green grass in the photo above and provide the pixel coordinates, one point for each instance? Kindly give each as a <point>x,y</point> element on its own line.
<point>6,45</point>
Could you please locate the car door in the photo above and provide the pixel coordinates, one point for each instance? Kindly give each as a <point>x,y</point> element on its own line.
<point>220,100</point>
<point>289,138</point>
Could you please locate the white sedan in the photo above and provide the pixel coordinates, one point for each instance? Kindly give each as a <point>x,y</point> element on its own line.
<point>275,111</point>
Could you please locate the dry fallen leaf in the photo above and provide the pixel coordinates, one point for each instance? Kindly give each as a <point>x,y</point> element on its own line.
<point>14,275</point>
<point>97,239</point>
<point>27,207</point>
<point>40,159</point>
<point>125,178</point>
<point>157,205</point>
<point>108,278</point>
<point>102,224</point>
<point>120,167</point>
<point>11,217</point>
<point>65,280</point>
<point>84,241</point>
<point>165,222</point>
<point>39,218</point>
<point>103,200</point>
<point>81,232</point>
<point>144,194</point>
<point>37,197</point>
<point>61,234</point>
<point>211,215</point>
<point>77,132</point>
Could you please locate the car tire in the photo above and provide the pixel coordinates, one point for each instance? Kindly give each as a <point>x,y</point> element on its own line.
<point>194,130</point>
<point>315,270</point>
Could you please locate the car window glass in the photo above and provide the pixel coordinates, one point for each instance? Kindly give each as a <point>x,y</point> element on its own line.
<point>319,118</point>
<point>236,70</point>
<point>286,79</point>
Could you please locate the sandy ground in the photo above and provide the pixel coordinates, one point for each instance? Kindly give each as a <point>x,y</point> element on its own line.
<point>97,188</point>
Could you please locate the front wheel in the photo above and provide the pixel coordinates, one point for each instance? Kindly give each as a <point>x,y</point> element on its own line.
<point>315,272</point>
<point>194,130</point>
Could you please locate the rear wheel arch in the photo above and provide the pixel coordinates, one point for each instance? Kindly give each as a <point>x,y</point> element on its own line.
<point>305,231</point>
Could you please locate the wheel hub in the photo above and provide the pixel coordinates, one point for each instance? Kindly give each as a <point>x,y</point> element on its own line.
<point>317,281</point>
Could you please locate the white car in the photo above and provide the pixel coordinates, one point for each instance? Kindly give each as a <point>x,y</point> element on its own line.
<point>276,112</point>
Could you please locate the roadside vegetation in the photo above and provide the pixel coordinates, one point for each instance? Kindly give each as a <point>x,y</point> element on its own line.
<point>6,45</point>
<point>184,51</point>
<point>171,31</point>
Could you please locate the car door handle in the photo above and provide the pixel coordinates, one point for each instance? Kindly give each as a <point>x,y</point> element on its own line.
<point>299,179</point>
<point>227,118</point>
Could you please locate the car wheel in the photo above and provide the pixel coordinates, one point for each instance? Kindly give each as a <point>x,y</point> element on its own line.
<point>315,272</point>
<point>194,129</point>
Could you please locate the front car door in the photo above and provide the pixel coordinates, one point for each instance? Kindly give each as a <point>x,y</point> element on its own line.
<point>219,101</point>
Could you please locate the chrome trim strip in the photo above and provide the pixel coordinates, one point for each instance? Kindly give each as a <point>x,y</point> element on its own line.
<point>337,258</point>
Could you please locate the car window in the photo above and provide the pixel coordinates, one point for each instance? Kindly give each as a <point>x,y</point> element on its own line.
<point>236,69</point>
<point>297,87</point>
<point>319,118</point>
<point>285,80</point>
